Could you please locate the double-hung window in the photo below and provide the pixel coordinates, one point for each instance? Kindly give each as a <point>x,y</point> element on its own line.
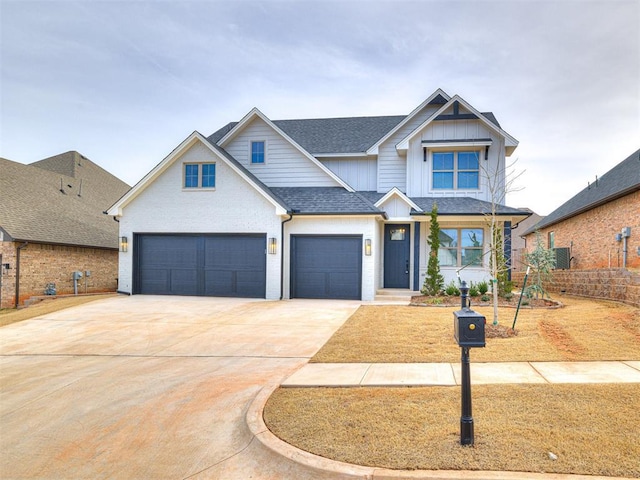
<point>461,247</point>
<point>456,170</point>
<point>199,175</point>
<point>257,152</point>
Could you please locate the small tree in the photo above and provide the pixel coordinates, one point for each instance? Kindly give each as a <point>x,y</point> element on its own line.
<point>543,261</point>
<point>434,281</point>
<point>499,181</point>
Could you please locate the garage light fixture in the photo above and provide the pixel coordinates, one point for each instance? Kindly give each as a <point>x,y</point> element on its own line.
<point>367,247</point>
<point>272,246</point>
<point>124,244</point>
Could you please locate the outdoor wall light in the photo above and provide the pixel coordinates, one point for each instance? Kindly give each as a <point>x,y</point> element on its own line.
<point>124,244</point>
<point>272,245</point>
<point>367,247</point>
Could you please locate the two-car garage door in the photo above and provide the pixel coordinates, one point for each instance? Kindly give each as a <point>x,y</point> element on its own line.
<point>210,265</point>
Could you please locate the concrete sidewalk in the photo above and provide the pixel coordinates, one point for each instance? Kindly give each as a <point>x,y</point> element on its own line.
<point>423,374</point>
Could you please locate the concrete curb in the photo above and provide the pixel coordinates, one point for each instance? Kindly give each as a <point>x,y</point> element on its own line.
<point>325,466</point>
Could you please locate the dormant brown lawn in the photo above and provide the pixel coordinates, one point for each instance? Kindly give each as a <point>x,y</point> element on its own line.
<point>592,429</point>
<point>9,316</point>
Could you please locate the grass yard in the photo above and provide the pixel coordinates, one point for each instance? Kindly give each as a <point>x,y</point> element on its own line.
<point>582,330</point>
<point>592,429</point>
<point>11,315</point>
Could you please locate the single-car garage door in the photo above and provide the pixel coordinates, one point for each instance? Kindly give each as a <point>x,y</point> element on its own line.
<point>326,266</point>
<point>206,265</point>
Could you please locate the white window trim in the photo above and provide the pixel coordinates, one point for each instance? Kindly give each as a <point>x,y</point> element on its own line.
<point>199,188</point>
<point>254,140</point>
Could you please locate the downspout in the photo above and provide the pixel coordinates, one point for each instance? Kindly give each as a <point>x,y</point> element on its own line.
<point>282,253</point>
<point>17,302</point>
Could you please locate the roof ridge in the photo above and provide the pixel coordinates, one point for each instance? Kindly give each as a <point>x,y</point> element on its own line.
<point>339,118</point>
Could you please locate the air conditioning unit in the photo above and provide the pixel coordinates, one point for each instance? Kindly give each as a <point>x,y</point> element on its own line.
<point>563,258</point>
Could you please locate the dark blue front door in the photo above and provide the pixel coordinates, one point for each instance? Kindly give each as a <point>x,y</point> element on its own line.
<point>396,256</point>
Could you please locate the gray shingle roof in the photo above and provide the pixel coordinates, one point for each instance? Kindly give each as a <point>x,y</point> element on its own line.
<point>325,200</point>
<point>465,206</point>
<point>33,208</point>
<point>621,180</point>
<point>335,135</point>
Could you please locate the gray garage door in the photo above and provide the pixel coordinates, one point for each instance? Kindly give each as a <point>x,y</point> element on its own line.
<point>326,266</point>
<point>206,265</point>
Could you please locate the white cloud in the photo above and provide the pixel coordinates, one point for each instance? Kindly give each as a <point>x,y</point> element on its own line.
<point>124,82</point>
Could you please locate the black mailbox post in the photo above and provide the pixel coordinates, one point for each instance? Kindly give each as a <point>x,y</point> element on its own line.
<point>468,327</point>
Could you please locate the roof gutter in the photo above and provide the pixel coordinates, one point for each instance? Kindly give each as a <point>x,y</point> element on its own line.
<point>18,249</point>
<point>282,252</point>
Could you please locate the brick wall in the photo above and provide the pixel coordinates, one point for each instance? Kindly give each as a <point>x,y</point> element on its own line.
<point>610,284</point>
<point>41,264</point>
<point>591,235</point>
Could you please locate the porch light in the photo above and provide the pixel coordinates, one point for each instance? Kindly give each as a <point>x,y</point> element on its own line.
<point>367,247</point>
<point>272,245</point>
<point>124,244</point>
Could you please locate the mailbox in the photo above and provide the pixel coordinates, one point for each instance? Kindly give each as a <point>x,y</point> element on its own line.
<point>469,328</point>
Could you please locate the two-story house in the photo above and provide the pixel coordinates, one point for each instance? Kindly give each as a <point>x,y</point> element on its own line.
<point>318,208</point>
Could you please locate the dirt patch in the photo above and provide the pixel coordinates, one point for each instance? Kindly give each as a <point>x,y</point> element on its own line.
<point>499,331</point>
<point>560,338</point>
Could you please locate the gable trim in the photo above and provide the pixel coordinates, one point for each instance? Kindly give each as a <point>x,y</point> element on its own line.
<point>396,192</point>
<point>255,113</point>
<point>149,178</point>
<point>509,140</point>
<point>373,150</point>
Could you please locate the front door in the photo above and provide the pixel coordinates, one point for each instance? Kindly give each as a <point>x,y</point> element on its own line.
<point>396,256</point>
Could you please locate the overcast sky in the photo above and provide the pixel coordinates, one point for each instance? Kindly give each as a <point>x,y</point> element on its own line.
<point>124,82</point>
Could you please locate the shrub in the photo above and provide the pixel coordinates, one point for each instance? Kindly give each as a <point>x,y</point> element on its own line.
<point>452,289</point>
<point>485,297</point>
<point>433,281</point>
<point>483,287</point>
<point>473,290</point>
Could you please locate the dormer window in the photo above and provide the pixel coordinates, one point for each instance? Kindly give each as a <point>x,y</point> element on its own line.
<point>456,170</point>
<point>257,152</point>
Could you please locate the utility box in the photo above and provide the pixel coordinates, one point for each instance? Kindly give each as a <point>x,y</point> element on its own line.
<point>77,275</point>
<point>468,327</point>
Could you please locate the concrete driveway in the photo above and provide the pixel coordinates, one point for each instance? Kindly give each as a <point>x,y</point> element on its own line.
<point>151,387</point>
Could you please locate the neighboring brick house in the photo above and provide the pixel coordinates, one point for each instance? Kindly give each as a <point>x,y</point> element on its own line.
<point>600,227</point>
<point>518,244</point>
<point>52,224</point>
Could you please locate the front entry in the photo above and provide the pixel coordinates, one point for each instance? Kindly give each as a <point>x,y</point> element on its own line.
<point>397,242</point>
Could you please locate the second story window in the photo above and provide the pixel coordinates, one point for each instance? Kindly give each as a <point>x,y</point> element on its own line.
<point>257,152</point>
<point>456,170</point>
<point>199,175</point>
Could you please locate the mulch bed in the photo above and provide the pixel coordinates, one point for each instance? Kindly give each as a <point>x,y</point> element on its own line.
<point>452,301</point>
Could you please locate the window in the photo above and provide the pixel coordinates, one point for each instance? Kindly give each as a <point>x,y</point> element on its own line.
<point>460,247</point>
<point>396,234</point>
<point>456,170</point>
<point>257,152</point>
<point>552,239</point>
<point>199,175</point>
